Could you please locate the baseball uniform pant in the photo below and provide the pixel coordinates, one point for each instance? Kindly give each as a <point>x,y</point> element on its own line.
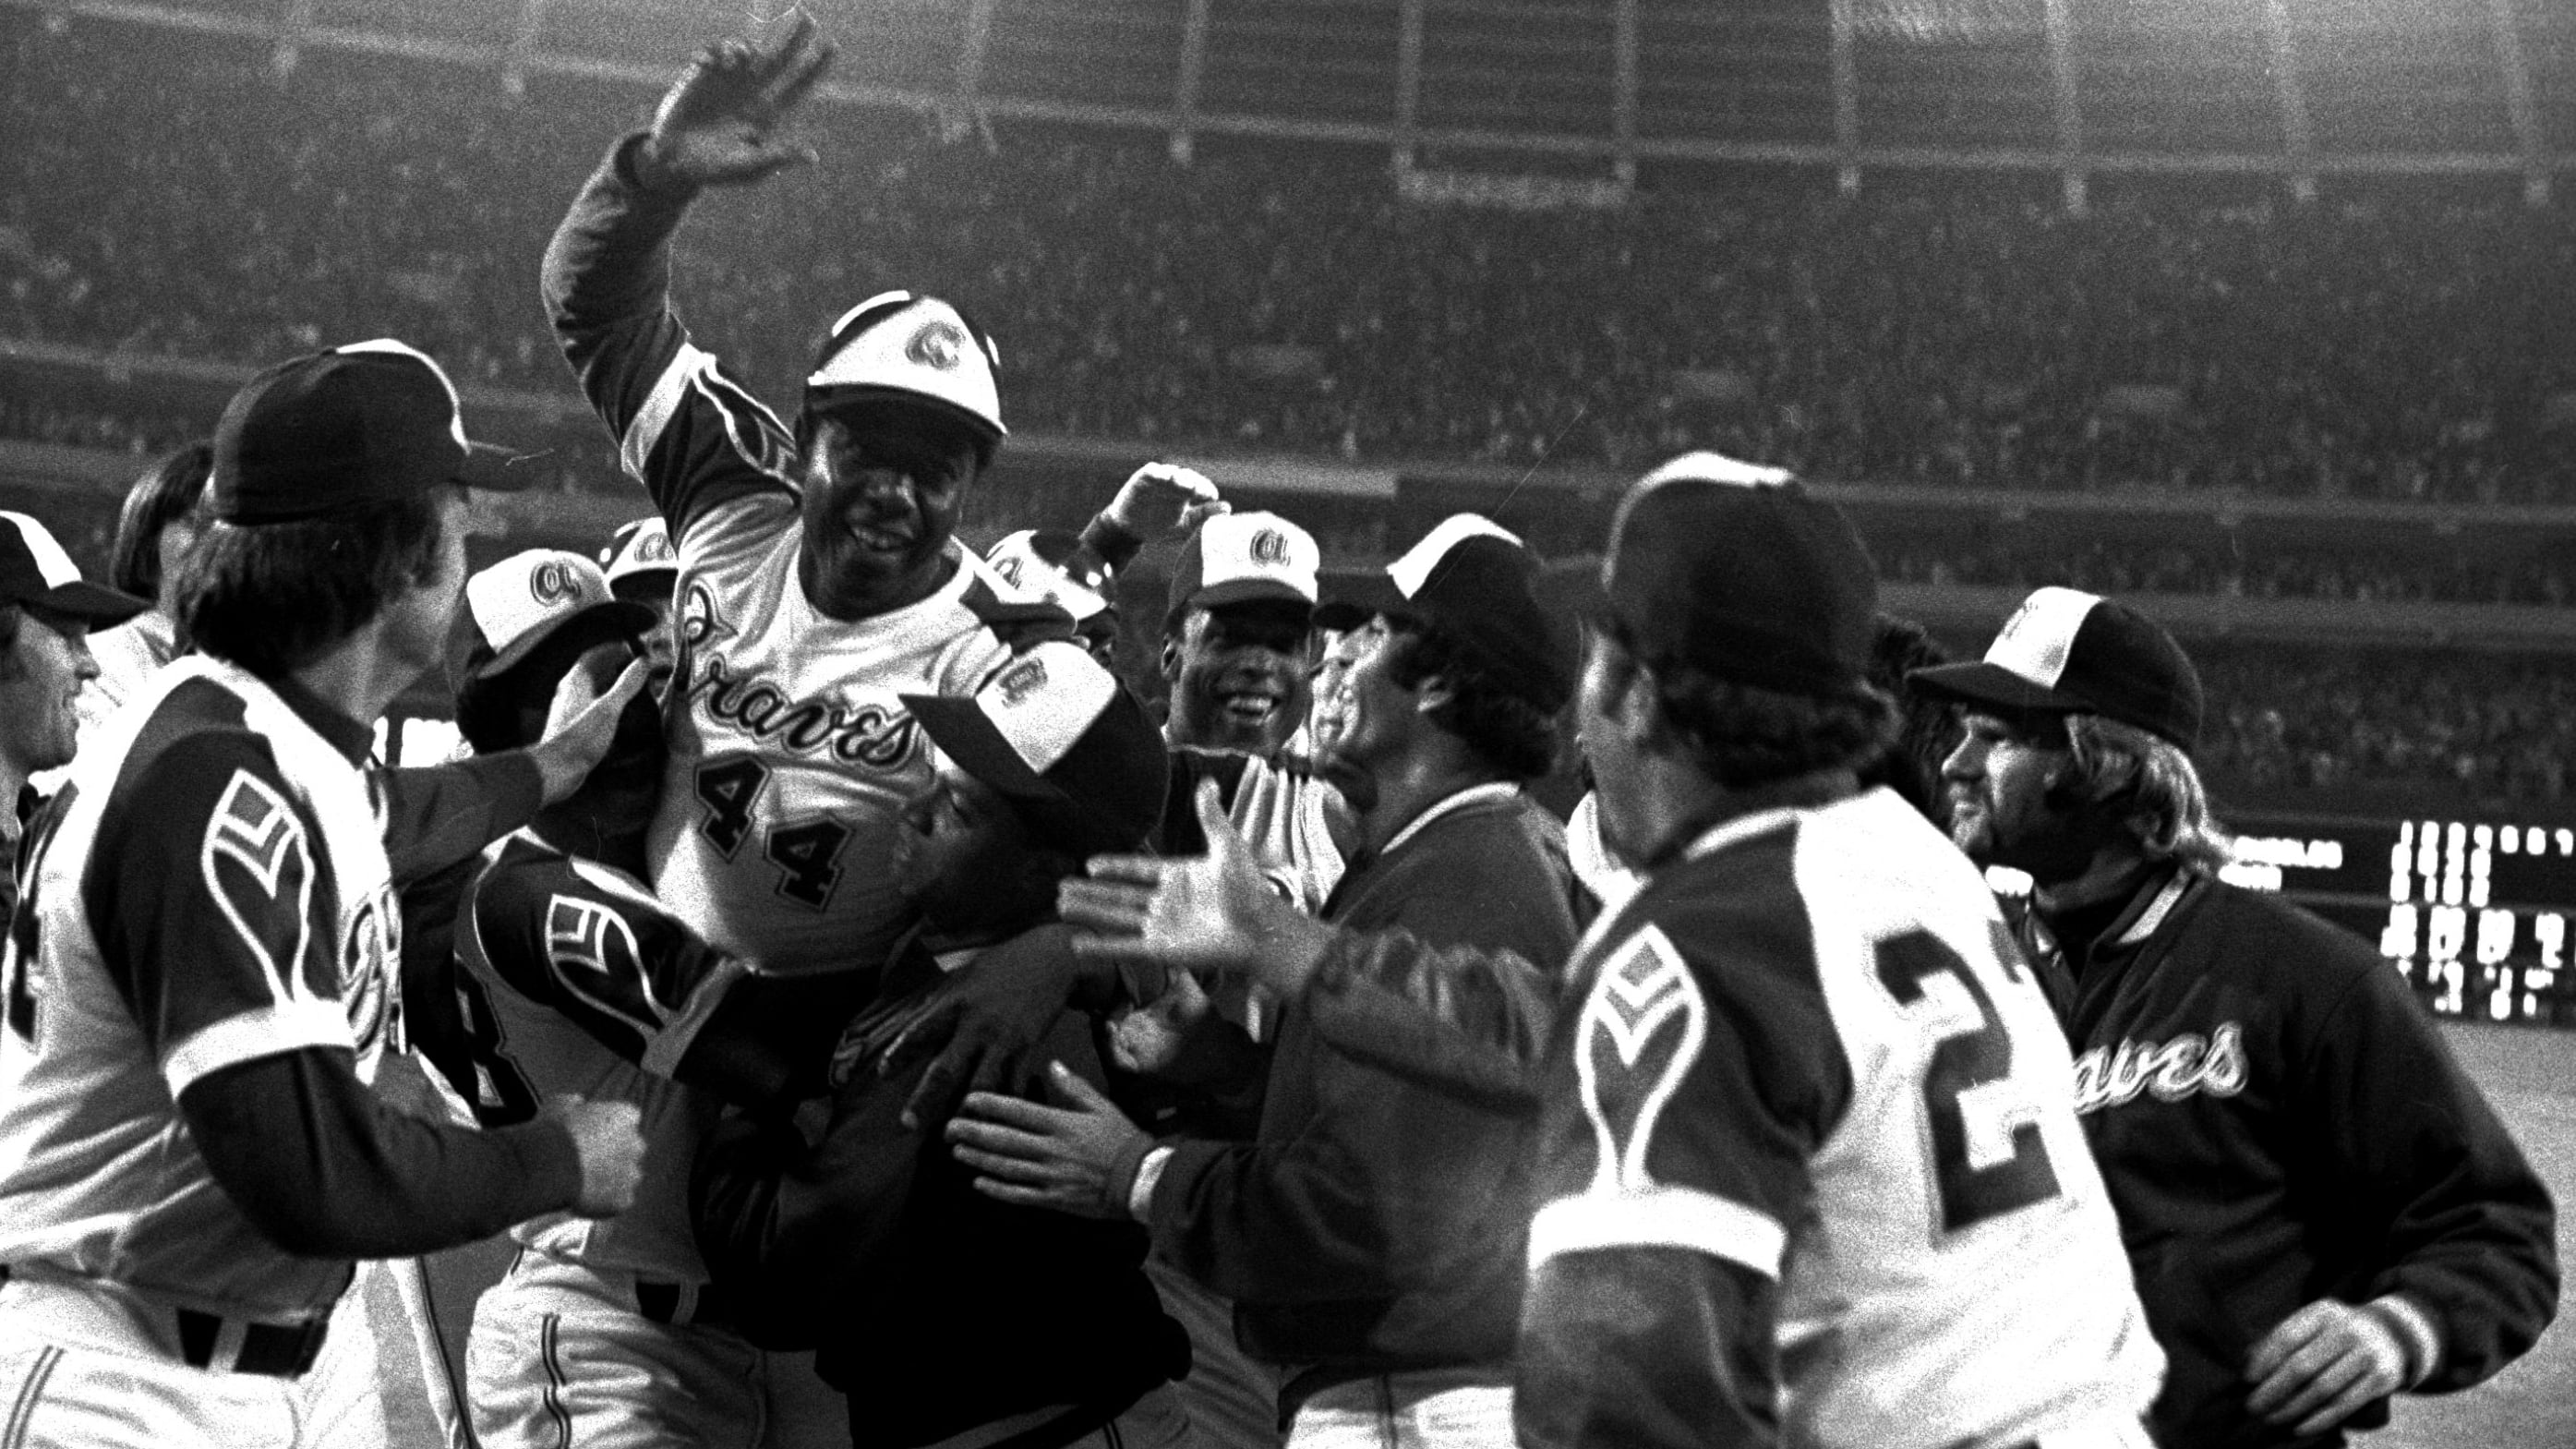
<point>1427,1409</point>
<point>563,1354</point>
<point>85,1365</point>
<point>1233,1400</point>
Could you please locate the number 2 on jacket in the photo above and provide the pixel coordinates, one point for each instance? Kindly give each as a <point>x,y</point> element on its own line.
<point>1966,1087</point>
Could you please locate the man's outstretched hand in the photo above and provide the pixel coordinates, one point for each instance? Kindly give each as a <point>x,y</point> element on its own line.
<point>1213,912</point>
<point>716,126</point>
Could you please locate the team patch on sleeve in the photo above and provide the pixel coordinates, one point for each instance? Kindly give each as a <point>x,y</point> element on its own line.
<point>1640,1034</point>
<point>258,866</point>
<point>256,863</point>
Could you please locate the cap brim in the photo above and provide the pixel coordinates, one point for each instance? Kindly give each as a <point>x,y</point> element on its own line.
<point>499,470</point>
<point>581,631</point>
<point>92,604</point>
<point>962,731</point>
<point>1352,600</point>
<point>1980,683</point>
<point>1244,591</point>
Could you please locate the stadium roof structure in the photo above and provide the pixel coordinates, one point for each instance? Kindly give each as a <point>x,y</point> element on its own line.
<point>2074,88</point>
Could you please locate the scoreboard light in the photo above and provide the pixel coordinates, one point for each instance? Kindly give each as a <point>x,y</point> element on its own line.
<point>2474,913</point>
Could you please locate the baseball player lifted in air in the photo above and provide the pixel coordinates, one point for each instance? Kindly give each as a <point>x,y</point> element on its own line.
<point>1809,1170</point>
<point>201,976</point>
<point>818,577</point>
<point>2321,1207</point>
<point>866,1240</point>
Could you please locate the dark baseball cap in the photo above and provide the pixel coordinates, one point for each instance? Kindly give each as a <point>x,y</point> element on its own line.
<point>1737,569</point>
<point>1060,738</point>
<point>2065,651</point>
<point>1479,582</point>
<point>35,570</point>
<point>344,428</point>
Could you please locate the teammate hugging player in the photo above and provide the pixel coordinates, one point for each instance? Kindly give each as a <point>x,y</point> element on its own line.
<point>819,580</point>
<point>869,1243</point>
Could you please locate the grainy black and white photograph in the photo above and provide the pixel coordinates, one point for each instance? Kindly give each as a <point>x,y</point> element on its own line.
<point>1287,724</point>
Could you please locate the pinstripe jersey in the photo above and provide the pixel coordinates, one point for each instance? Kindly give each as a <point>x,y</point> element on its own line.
<point>209,888</point>
<point>1809,1052</point>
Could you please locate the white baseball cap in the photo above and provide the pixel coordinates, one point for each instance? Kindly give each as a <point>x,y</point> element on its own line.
<point>527,599</point>
<point>641,550</point>
<point>1236,557</point>
<point>1057,735</point>
<point>902,345</point>
<point>1054,565</point>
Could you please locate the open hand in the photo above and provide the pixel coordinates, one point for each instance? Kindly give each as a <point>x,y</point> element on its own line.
<point>715,126</point>
<point>581,725</point>
<point>1078,1156</point>
<point>1214,911</point>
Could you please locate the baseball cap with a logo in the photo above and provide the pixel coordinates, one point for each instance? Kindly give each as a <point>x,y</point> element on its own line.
<point>344,428</point>
<point>906,347</point>
<point>1478,581</point>
<point>1055,566</point>
<point>545,596</point>
<point>1233,558</point>
<point>34,569</point>
<point>2065,651</point>
<point>1737,569</point>
<point>1057,735</point>
<point>640,560</point>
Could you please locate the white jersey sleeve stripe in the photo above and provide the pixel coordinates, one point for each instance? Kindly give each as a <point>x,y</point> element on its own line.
<point>659,408</point>
<point>266,1032</point>
<point>731,401</point>
<point>1663,1217</point>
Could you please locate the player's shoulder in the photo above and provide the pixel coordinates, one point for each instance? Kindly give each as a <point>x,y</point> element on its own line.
<point>193,740</point>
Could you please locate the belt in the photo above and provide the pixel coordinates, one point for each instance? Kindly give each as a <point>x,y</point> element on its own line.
<point>96,1311</point>
<point>278,1350</point>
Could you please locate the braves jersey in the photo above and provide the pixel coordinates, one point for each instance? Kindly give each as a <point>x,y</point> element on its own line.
<point>209,888</point>
<point>572,980</point>
<point>791,759</point>
<point>1809,1095</point>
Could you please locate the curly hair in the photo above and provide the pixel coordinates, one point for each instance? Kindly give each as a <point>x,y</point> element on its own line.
<point>1503,727</point>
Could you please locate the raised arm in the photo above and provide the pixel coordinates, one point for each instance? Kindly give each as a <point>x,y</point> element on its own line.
<point>691,434</point>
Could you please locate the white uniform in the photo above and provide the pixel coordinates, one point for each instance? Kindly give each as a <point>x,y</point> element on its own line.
<point>1810,1092</point>
<point>128,1262</point>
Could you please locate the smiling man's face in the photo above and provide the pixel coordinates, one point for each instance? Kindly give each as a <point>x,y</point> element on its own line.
<point>1238,674</point>
<point>883,487</point>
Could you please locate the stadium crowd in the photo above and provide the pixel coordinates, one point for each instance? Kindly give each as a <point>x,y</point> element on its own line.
<point>2412,349</point>
<point>861,980</point>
